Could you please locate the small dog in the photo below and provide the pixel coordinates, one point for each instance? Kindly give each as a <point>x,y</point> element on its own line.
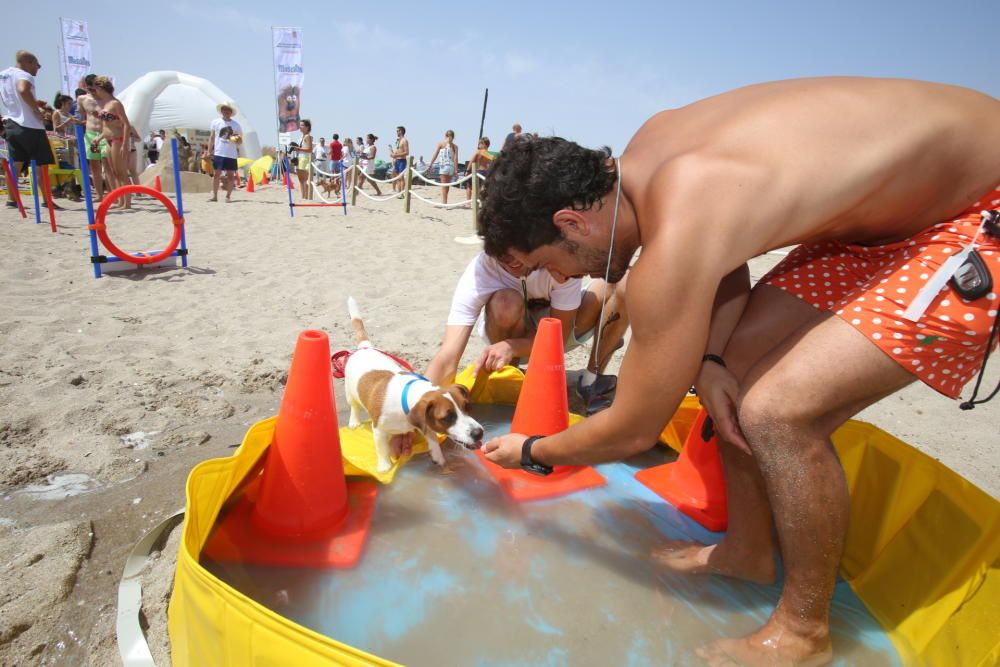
<point>399,402</point>
<point>329,187</point>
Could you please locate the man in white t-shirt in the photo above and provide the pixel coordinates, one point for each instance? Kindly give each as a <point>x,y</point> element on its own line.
<point>319,155</point>
<point>24,124</point>
<point>226,136</point>
<point>505,301</point>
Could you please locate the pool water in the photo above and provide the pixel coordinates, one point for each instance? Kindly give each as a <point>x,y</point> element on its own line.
<point>456,573</point>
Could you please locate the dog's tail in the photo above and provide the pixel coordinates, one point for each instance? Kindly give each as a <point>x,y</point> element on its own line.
<point>360,334</point>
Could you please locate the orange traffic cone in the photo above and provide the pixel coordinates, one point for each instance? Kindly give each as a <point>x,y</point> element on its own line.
<point>300,511</point>
<point>158,184</point>
<point>543,409</point>
<point>250,182</point>
<point>266,180</point>
<point>694,484</point>
<point>288,182</point>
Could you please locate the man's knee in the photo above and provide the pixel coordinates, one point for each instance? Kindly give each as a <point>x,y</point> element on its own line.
<point>772,413</point>
<point>505,309</point>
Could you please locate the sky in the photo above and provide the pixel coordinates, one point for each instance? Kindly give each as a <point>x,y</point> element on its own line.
<point>589,71</point>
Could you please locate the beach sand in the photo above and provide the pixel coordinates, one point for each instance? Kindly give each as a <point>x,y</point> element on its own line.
<point>112,389</point>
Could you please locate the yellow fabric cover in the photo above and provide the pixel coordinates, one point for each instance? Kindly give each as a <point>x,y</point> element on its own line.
<point>923,553</point>
<point>357,446</point>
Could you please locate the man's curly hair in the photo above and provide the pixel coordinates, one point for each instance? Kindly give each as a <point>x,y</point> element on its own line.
<point>531,180</point>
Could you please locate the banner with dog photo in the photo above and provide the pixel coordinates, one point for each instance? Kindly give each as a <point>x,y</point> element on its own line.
<point>75,53</point>
<point>288,76</point>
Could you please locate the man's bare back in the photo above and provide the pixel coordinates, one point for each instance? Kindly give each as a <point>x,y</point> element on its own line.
<point>881,160</point>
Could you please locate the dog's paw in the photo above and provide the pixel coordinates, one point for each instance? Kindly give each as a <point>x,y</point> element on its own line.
<point>384,466</point>
<point>439,459</point>
<point>353,423</point>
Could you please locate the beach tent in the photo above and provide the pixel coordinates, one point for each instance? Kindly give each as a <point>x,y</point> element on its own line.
<point>174,99</point>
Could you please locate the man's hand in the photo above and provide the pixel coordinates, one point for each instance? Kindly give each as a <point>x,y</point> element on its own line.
<point>505,451</point>
<point>718,391</point>
<point>495,357</point>
<point>401,445</point>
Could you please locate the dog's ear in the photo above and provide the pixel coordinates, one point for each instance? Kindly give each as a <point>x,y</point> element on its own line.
<point>421,413</point>
<point>461,395</point>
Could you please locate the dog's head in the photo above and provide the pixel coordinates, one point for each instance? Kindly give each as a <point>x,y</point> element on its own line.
<point>446,410</point>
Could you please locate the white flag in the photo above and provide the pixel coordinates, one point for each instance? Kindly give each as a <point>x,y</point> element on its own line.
<point>288,76</point>
<point>75,53</point>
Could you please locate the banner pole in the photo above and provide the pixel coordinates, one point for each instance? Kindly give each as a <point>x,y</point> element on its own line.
<point>482,121</point>
<point>62,60</point>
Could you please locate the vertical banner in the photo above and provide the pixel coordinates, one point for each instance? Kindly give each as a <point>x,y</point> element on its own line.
<point>288,76</point>
<point>75,53</point>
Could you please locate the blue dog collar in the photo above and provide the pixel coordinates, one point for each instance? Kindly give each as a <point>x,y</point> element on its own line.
<point>406,390</point>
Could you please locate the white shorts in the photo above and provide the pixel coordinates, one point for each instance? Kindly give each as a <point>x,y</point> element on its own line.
<point>447,170</point>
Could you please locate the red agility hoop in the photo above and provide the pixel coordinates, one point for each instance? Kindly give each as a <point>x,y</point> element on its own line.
<point>102,229</point>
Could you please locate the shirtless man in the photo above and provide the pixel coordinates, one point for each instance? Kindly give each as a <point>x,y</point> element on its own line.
<point>95,146</point>
<point>878,198</point>
<point>400,153</point>
<point>479,163</point>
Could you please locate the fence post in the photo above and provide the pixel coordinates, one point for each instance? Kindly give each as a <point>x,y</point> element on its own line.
<point>409,180</point>
<point>475,200</point>
<point>354,182</point>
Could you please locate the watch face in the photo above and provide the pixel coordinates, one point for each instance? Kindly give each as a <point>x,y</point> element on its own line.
<point>537,469</point>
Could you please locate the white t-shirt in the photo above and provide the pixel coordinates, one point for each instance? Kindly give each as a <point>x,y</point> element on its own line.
<point>319,152</point>
<point>223,130</point>
<point>14,106</point>
<point>485,275</point>
<point>158,143</point>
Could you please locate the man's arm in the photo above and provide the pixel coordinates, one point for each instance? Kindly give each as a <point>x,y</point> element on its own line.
<point>717,387</point>
<point>444,365</point>
<point>730,301</point>
<point>27,93</point>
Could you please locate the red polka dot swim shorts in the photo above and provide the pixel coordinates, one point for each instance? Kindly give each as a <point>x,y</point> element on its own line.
<point>870,287</point>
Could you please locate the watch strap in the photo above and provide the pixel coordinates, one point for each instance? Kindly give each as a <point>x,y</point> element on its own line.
<point>528,463</point>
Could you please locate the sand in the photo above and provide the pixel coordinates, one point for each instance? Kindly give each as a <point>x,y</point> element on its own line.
<point>112,389</point>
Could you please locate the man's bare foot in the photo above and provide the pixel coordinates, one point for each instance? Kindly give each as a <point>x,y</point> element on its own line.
<point>696,558</point>
<point>774,645</point>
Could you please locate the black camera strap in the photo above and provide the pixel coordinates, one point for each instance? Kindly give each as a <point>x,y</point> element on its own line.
<point>991,225</point>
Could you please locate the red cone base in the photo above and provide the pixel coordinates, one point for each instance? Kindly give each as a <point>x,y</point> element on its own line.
<point>235,539</point>
<point>521,485</point>
<point>694,484</point>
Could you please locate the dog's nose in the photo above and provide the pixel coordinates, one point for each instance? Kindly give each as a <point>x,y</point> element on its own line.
<point>477,433</point>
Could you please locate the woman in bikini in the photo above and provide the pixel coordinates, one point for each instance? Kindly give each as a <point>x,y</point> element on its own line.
<point>116,131</point>
<point>448,151</point>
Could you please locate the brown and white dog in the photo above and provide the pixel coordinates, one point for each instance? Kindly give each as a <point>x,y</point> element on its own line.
<point>399,402</point>
<point>329,186</point>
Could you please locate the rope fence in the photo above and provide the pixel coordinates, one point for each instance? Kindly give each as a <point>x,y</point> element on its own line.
<point>357,177</point>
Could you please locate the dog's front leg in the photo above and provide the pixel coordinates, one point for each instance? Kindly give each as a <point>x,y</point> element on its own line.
<point>383,451</point>
<point>434,447</point>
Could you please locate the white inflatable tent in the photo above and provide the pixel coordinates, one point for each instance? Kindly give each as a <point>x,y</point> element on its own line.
<point>174,99</point>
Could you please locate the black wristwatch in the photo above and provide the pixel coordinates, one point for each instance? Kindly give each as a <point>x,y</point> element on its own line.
<point>529,464</point>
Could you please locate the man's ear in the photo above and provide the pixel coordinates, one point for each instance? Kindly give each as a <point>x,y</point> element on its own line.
<point>569,221</point>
